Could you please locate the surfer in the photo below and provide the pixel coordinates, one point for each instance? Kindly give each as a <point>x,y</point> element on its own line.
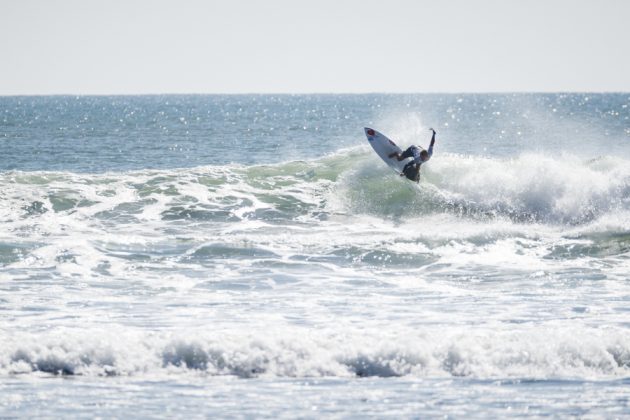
<point>419,155</point>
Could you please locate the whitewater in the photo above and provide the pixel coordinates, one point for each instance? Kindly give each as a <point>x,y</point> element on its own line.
<point>250,256</point>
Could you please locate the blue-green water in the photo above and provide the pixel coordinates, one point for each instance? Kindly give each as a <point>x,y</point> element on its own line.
<point>251,256</point>
<point>121,133</point>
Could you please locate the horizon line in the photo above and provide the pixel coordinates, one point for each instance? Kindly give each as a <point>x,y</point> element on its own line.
<point>498,92</point>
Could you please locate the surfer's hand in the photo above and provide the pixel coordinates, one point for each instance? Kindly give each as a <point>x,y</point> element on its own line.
<point>402,174</point>
<point>432,130</point>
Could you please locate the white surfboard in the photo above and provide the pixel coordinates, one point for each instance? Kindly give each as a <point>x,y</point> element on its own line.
<point>384,147</point>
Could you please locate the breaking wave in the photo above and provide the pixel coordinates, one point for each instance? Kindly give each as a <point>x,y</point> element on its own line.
<point>536,352</point>
<point>529,188</point>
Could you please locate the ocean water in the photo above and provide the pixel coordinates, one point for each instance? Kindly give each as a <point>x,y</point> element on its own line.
<point>250,256</point>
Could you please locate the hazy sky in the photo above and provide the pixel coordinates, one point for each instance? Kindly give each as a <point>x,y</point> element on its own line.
<point>242,46</point>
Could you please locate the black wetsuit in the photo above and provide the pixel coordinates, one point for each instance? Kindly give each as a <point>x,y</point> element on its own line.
<point>412,169</point>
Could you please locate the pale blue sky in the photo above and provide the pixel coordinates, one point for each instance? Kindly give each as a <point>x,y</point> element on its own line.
<point>244,46</point>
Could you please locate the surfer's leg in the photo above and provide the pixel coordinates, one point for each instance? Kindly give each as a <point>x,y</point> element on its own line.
<point>406,154</point>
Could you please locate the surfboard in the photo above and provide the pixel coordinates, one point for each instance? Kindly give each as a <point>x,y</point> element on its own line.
<point>383,147</point>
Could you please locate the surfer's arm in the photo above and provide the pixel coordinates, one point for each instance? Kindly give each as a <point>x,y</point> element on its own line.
<point>430,150</point>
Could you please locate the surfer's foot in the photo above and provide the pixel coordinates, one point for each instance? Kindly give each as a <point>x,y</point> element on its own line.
<point>391,155</point>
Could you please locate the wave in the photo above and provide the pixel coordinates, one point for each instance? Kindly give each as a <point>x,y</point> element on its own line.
<point>214,192</point>
<point>581,209</point>
<point>535,352</point>
<point>531,187</point>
